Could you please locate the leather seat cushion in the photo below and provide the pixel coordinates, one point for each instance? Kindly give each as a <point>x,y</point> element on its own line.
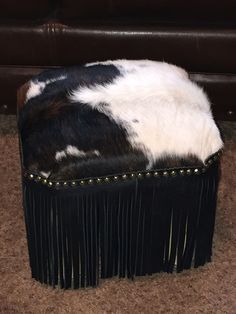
<point>174,9</point>
<point>198,49</point>
<point>24,9</point>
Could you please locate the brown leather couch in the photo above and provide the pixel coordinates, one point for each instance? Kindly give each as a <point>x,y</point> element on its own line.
<point>199,35</point>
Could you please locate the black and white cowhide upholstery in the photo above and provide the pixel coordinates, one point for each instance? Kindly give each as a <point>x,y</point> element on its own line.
<point>112,117</point>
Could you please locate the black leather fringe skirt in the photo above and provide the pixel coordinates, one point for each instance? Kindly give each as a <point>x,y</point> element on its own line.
<point>142,224</point>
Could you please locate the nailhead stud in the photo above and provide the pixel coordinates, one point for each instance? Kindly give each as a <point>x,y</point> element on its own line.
<point>165,173</point>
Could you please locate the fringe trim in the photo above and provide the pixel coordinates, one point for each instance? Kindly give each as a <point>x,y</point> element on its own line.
<point>125,229</point>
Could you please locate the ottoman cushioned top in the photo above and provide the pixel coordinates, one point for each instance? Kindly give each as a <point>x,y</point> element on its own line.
<point>115,117</point>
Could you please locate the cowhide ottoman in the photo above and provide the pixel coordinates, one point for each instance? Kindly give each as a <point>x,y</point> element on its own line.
<point>120,163</point>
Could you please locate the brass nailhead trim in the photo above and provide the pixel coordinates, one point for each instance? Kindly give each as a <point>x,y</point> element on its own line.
<point>139,175</point>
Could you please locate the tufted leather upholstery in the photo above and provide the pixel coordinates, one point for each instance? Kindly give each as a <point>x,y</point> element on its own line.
<point>197,35</point>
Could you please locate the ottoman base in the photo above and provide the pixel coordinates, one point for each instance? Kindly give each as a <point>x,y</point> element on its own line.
<point>125,225</point>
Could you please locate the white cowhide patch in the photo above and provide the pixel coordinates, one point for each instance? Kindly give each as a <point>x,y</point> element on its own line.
<point>162,110</point>
<point>71,150</point>
<point>37,87</point>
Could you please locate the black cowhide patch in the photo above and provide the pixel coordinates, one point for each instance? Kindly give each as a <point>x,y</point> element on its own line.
<point>49,123</point>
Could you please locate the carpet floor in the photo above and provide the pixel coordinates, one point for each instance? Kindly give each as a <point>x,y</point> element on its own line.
<point>208,289</point>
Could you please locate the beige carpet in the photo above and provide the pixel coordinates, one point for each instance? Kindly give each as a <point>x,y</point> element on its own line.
<point>209,289</point>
